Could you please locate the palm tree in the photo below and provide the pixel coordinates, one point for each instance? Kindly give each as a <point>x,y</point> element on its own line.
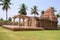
<point>6,6</point>
<point>34,10</point>
<point>22,11</point>
<point>53,9</point>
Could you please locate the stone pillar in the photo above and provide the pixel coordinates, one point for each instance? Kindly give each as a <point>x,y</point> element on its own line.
<point>23,21</point>
<point>33,22</point>
<point>19,22</point>
<point>13,21</point>
<point>26,22</point>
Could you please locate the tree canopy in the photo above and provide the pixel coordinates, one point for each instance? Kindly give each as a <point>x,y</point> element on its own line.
<point>22,10</point>
<point>34,10</point>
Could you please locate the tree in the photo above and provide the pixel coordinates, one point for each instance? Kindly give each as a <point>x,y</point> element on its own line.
<point>10,19</point>
<point>58,15</point>
<point>22,10</point>
<point>1,19</point>
<point>6,6</point>
<point>53,9</point>
<point>34,10</point>
<point>42,12</point>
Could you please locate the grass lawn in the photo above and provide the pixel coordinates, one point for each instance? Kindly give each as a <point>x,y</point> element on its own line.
<point>6,34</point>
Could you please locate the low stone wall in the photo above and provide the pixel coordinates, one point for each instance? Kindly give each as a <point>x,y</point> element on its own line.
<point>22,28</point>
<point>6,23</point>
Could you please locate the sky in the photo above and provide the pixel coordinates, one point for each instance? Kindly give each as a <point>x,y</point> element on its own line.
<point>41,4</point>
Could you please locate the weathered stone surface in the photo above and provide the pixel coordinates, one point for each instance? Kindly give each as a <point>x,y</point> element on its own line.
<point>48,20</point>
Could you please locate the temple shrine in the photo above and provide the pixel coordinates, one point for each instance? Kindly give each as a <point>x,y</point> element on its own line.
<point>48,20</point>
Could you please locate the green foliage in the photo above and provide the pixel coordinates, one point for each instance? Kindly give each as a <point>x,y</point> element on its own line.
<point>22,10</point>
<point>58,15</point>
<point>7,0</point>
<point>58,26</point>
<point>1,19</point>
<point>53,9</point>
<point>6,6</point>
<point>34,10</point>
<point>10,19</point>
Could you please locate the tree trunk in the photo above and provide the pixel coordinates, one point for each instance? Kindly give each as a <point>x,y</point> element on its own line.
<point>6,16</point>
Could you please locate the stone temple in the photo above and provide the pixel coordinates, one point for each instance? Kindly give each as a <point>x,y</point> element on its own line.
<point>48,20</point>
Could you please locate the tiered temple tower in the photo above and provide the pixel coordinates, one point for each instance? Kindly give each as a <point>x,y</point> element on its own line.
<point>49,19</point>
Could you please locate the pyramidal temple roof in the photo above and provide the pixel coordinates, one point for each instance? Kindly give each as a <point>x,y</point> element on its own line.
<point>49,14</point>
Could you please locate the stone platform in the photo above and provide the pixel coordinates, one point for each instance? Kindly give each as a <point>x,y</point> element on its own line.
<point>21,28</point>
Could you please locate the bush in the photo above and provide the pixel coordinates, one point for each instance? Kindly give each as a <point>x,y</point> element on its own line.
<point>1,20</point>
<point>58,26</point>
<point>10,19</point>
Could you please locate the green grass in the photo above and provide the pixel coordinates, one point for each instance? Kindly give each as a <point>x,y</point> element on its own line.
<point>6,34</point>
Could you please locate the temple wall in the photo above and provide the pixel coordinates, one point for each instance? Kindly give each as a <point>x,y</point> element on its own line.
<point>26,22</point>
<point>6,23</point>
<point>33,23</point>
<point>46,24</point>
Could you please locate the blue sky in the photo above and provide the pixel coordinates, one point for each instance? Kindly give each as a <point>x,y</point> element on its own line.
<point>41,4</point>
